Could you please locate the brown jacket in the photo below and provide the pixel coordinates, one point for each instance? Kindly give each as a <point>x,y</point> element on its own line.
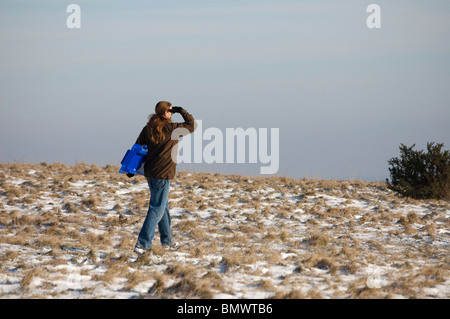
<point>159,163</point>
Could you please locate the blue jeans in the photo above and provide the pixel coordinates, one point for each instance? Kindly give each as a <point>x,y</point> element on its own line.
<point>158,214</point>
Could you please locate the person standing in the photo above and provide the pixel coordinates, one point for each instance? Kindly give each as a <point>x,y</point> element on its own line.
<point>159,169</point>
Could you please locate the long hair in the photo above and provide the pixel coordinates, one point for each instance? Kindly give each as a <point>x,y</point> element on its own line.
<point>157,121</point>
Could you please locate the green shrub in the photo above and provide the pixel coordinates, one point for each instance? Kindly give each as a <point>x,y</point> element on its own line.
<point>420,174</point>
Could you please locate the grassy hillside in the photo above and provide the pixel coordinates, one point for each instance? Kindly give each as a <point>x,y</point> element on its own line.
<point>69,231</point>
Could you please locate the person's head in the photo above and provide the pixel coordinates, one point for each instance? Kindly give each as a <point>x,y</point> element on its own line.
<point>162,110</point>
<point>157,121</point>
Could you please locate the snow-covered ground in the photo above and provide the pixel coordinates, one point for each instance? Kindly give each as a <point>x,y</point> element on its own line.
<point>69,231</point>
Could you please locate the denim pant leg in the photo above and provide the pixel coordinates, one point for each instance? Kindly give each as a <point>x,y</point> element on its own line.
<point>159,192</point>
<point>164,227</point>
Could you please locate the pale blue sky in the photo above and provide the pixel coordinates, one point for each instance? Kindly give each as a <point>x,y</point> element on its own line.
<point>343,96</point>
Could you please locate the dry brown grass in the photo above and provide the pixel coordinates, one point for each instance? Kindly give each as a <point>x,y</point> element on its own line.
<point>275,236</point>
